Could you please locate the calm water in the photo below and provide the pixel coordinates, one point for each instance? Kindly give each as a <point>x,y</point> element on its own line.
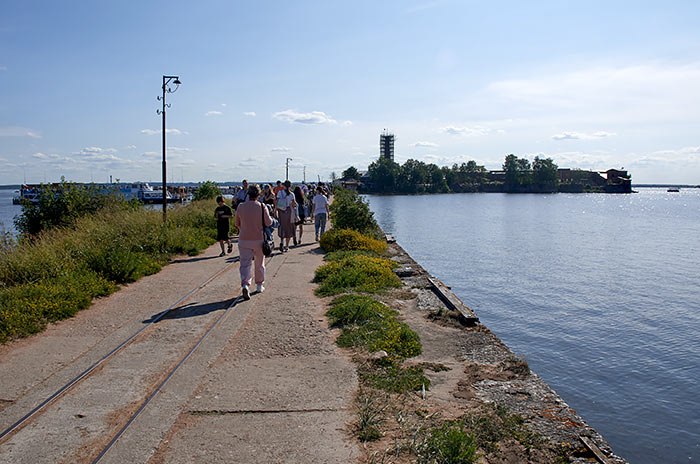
<point>7,211</point>
<point>601,293</point>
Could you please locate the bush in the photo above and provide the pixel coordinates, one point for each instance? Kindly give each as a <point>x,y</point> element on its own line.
<point>348,310</point>
<point>350,211</point>
<point>356,273</point>
<point>391,377</point>
<point>347,239</point>
<point>58,272</point>
<point>207,190</point>
<point>341,254</point>
<point>389,335</point>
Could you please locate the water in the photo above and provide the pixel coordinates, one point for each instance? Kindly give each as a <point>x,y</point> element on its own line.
<point>8,211</point>
<point>601,293</point>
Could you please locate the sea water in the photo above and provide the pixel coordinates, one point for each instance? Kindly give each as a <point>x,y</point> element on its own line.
<point>601,294</point>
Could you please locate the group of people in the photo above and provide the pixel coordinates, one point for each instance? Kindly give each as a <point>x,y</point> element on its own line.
<point>258,212</point>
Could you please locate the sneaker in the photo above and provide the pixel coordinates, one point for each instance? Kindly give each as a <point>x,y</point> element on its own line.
<point>245,293</point>
<point>295,240</point>
<point>222,254</point>
<point>230,248</point>
<point>317,237</point>
<point>260,288</point>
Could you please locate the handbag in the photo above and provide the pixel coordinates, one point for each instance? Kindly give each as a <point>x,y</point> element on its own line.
<point>268,244</point>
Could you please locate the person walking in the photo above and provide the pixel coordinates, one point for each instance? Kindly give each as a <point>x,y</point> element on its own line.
<point>251,217</point>
<point>268,196</point>
<point>222,214</point>
<point>284,210</point>
<point>301,213</point>
<point>241,195</point>
<point>320,212</point>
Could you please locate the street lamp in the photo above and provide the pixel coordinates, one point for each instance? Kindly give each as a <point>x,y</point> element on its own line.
<point>166,89</point>
<point>288,160</point>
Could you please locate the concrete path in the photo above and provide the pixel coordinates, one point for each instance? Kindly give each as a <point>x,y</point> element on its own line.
<point>268,384</point>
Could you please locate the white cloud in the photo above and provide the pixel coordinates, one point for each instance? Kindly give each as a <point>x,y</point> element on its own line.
<point>425,145</point>
<point>211,113</point>
<point>176,151</point>
<point>249,163</point>
<point>3,68</point>
<point>249,113</point>
<point>466,131</point>
<point>347,123</point>
<point>582,136</point>
<point>223,105</point>
<point>130,147</point>
<point>167,131</point>
<point>314,117</point>
<point>641,92</point>
<point>281,149</point>
<point>16,131</point>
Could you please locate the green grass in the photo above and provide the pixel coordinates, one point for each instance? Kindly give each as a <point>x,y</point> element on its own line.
<point>390,376</point>
<point>348,310</point>
<point>356,273</point>
<point>348,239</point>
<point>449,443</point>
<point>58,272</point>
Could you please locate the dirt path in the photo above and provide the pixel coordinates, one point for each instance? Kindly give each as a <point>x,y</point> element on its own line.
<point>267,385</point>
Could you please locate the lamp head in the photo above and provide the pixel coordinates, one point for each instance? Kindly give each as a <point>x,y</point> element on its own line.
<point>177,81</point>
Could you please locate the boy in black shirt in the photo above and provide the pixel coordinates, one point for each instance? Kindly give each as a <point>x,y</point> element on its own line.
<point>222,214</point>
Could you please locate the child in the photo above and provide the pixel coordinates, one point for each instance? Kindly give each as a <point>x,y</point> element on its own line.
<point>222,214</point>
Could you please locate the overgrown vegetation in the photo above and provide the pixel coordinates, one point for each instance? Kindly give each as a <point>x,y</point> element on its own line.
<point>350,211</point>
<point>207,190</point>
<point>57,272</point>
<point>63,204</point>
<point>349,239</point>
<point>449,443</point>
<point>357,273</point>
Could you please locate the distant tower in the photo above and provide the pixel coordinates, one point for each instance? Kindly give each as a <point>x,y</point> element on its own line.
<point>386,145</point>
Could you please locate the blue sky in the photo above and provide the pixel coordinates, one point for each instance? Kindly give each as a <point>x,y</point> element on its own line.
<point>590,84</point>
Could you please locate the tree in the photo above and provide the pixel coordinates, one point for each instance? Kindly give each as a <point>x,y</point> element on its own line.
<point>545,174</point>
<point>518,173</point>
<point>351,174</point>
<point>207,190</point>
<point>383,174</point>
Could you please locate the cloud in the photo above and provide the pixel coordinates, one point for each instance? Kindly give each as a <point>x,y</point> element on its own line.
<point>465,131</point>
<point>249,113</point>
<point>130,147</point>
<point>425,145</point>
<point>211,113</point>
<point>249,163</point>
<point>167,131</point>
<point>152,154</point>
<point>640,92</point>
<point>582,136</point>
<point>314,117</point>
<point>280,149</point>
<point>3,68</point>
<point>16,131</point>
<point>347,123</point>
<point>176,151</point>
<point>223,105</point>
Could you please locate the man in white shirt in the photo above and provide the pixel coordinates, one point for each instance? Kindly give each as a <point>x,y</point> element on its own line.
<point>320,211</point>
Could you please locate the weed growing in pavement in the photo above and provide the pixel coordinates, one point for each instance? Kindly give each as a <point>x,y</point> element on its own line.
<point>54,274</point>
<point>371,407</point>
<point>449,443</point>
<point>391,377</point>
<point>348,239</point>
<point>356,273</point>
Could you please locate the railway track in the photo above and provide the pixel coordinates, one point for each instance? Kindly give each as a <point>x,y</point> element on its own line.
<point>36,411</point>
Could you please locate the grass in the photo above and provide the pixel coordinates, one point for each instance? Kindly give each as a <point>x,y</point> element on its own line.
<point>348,239</point>
<point>391,377</point>
<point>58,272</point>
<point>356,273</point>
<point>449,443</point>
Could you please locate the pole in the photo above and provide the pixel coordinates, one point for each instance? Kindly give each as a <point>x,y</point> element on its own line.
<point>288,160</point>
<point>304,174</point>
<point>165,182</point>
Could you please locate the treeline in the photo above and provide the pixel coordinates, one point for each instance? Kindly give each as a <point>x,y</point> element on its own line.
<point>519,175</point>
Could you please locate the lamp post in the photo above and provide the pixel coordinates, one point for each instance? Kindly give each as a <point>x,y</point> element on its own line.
<point>288,160</point>
<point>166,89</point>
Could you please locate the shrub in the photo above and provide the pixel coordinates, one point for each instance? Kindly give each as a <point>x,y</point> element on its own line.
<point>350,211</point>
<point>340,254</point>
<point>356,273</point>
<point>449,444</point>
<point>347,239</point>
<point>57,272</point>
<point>347,310</point>
<point>207,190</point>
<point>389,335</point>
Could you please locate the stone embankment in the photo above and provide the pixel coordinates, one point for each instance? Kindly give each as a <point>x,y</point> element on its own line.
<point>266,385</point>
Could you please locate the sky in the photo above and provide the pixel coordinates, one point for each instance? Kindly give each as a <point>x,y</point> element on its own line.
<point>590,84</point>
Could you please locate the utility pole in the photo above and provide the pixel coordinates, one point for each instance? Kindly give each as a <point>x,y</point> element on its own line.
<point>304,174</point>
<point>166,89</point>
<point>288,160</point>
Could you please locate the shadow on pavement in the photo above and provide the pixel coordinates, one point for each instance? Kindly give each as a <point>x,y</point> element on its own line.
<point>192,310</point>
